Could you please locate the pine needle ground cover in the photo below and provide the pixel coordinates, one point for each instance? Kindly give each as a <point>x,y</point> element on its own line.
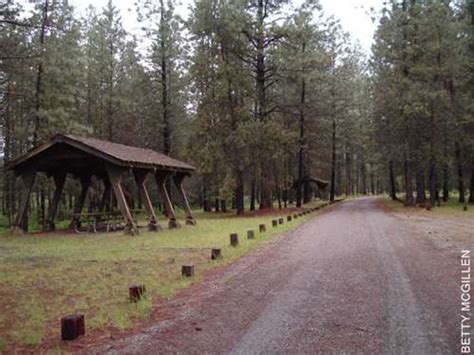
<point>46,276</point>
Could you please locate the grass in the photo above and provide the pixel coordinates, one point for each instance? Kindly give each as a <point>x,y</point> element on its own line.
<point>449,208</point>
<point>46,276</point>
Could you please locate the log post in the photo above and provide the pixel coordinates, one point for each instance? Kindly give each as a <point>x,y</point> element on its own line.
<point>85,183</point>
<point>288,218</point>
<point>115,177</point>
<point>274,223</point>
<point>262,228</point>
<point>136,292</point>
<point>234,239</point>
<point>178,181</point>
<point>250,234</point>
<point>295,216</point>
<point>140,179</point>
<point>280,220</point>
<point>59,180</point>
<point>161,177</point>
<point>72,326</point>
<point>187,270</point>
<point>27,179</point>
<point>216,253</point>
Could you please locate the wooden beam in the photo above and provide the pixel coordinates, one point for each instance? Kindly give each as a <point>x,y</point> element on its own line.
<point>59,180</point>
<point>105,195</point>
<point>161,177</point>
<point>85,183</point>
<point>140,179</point>
<point>27,179</point>
<point>178,181</point>
<point>115,176</point>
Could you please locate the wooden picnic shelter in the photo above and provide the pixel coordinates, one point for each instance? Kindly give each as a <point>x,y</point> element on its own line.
<point>83,158</point>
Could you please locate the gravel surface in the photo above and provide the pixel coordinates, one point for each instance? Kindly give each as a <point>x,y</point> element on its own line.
<point>354,278</point>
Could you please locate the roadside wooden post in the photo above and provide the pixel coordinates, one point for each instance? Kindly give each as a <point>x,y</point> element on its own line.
<point>288,218</point>
<point>136,292</point>
<point>250,234</point>
<point>274,223</point>
<point>234,239</point>
<point>178,181</point>
<point>187,270</point>
<point>161,177</point>
<point>140,179</point>
<point>72,326</point>
<point>280,220</point>
<point>295,216</point>
<point>27,179</point>
<point>262,228</point>
<point>115,177</point>
<point>215,253</point>
<point>59,180</point>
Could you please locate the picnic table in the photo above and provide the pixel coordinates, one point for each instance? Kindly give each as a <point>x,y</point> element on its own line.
<point>112,220</point>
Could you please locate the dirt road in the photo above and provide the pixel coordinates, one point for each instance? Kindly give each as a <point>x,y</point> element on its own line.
<point>355,278</point>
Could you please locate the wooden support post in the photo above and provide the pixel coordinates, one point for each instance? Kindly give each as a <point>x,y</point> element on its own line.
<point>274,223</point>
<point>72,326</point>
<point>105,195</point>
<point>59,180</point>
<point>136,292</point>
<point>280,220</point>
<point>215,253</point>
<point>288,218</point>
<point>251,234</point>
<point>178,181</point>
<point>115,177</point>
<point>262,228</point>
<point>85,183</point>
<point>187,270</point>
<point>140,179</point>
<point>161,177</point>
<point>27,179</point>
<point>295,216</point>
<point>234,239</point>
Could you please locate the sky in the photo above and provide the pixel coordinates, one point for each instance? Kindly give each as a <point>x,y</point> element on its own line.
<point>354,15</point>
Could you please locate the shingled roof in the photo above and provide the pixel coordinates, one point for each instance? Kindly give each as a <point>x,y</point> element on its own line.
<point>114,153</point>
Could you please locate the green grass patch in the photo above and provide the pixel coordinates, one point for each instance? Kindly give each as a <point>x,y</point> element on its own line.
<point>448,208</point>
<point>46,276</point>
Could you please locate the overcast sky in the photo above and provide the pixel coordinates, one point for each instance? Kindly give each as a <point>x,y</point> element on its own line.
<point>352,13</point>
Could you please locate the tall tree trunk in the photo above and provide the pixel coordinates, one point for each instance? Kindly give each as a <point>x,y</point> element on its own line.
<point>409,199</point>
<point>420,185</point>
<point>39,76</point>
<point>457,152</point>
<point>301,167</point>
<point>333,161</point>
<point>445,182</point>
<point>471,185</point>
<point>239,193</point>
<point>252,195</point>
<point>433,183</point>
<point>393,188</point>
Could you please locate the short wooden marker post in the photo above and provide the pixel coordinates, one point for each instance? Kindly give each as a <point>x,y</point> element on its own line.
<point>295,216</point>
<point>234,239</point>
<point>187,270</point>
<point>288,218</point>
<point>280,220</point>
<point>215,253</point>
<point>250,234</point>
<point>262,228</point>
<point>136,292</point>
<point>72,326</point>
<point>274,223</point>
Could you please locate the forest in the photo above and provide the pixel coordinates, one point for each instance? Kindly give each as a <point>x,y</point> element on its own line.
<point>260,95</point>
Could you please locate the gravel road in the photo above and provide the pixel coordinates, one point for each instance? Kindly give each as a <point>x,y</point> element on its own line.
<point>354,278</point>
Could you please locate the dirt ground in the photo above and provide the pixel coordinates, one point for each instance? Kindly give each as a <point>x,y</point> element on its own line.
<point>355,278</point>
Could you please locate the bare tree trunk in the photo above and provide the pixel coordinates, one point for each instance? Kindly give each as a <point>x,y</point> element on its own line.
<point>462,198</point>
<point>420,186</point>
<point>393,188</point>
<point>333,161</point>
